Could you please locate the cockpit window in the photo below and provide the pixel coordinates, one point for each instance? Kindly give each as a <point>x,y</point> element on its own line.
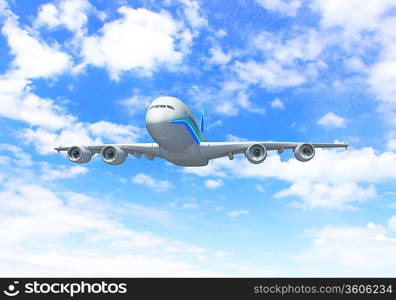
<point>162,106</point>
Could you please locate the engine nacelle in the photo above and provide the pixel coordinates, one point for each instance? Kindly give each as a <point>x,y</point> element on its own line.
<point>304,152</point>
<point>256,153</point>
<point>113,155</point>
<point>79,154</point>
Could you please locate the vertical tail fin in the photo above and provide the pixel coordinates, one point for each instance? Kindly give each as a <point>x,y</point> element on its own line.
<point>202,120</point>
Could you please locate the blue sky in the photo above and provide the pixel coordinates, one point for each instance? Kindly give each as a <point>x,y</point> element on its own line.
<point>80,72</point>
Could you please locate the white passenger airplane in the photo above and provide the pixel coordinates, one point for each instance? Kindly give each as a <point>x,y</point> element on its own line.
<point>180,141</point>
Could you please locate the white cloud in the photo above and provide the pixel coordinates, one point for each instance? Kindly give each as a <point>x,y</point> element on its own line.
<point>237,213</point>
<point>193,14</point>
<point>25,106</point>
<point>52,172</point>
<point>33,57</point>
<point>227,108</point>
<point>218,168</point>
<point>391,145</point>
<point>338,179</point>
<point>288,8</point>
<point>306,46</point>
<point>269,74</point>
<point>222,253</point>
<point>150,213</point>
<point>157,185</point>
<point>277,103</point>
<point>189,205</point>
<point>352,250</point>
<point>287,61</point>
<point>242,99</point>
<point>213,184</point>
<point>382,73</point>
<point>187,202</point>
<point>139,40</point>
<point>38,224</point>
<point>218,56</point>
<point>229,100</point>
<point>3,5</point>
<point>338,13</point>
<point>48,15</point>
<point>355,64</point>
<point>319,195</point>
<point>328,166</point>
<point>367,30</point>
<point>55,125</point>
<point>260,188</point>
<point>21,158</point>
<point>213,124</point>
<point>221,33</point>
<point>136,103</point>
<point>19,103</point>
<point>381,79</point>
<point>45,140</point>
<point>332,120</point>
<point>71,13</point>
<point>392,223</point>
<point>77,262</point>
<point>45,215</point>
<point>234,138</point>
<point>115,132</point>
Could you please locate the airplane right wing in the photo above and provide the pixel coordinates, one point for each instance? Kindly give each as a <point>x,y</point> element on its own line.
<point>256,152</point>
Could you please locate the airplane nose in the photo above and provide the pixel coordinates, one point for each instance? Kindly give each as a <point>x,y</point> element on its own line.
<point>170,136</point>
<point>157,124</point>
<point>155,116</point>
<point>162,115</point>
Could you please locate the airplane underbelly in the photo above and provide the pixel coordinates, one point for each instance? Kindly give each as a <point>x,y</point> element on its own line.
<point>191,157</point>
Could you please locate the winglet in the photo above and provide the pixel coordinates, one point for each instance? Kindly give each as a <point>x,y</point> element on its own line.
<point>202,120</point>
<point>58,149</point>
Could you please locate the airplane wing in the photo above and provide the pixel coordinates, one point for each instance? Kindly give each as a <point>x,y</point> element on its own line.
<point>255,152</point>
<point>302,151</point>
<point>113,153</point>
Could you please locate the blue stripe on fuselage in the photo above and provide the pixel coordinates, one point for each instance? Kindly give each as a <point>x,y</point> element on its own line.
<point>194,132</point>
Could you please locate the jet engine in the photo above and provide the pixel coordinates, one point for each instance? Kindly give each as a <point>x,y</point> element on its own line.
<point>256,153</point>
<point>304,152</point>
<point>113,155</point>
<point>79,154</point>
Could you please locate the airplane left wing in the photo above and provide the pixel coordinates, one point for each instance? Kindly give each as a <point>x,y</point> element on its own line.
<point>113,154</point>
<point>256,152</point>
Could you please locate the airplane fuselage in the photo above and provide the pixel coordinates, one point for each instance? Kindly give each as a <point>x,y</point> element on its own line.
<point>172,126</point>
